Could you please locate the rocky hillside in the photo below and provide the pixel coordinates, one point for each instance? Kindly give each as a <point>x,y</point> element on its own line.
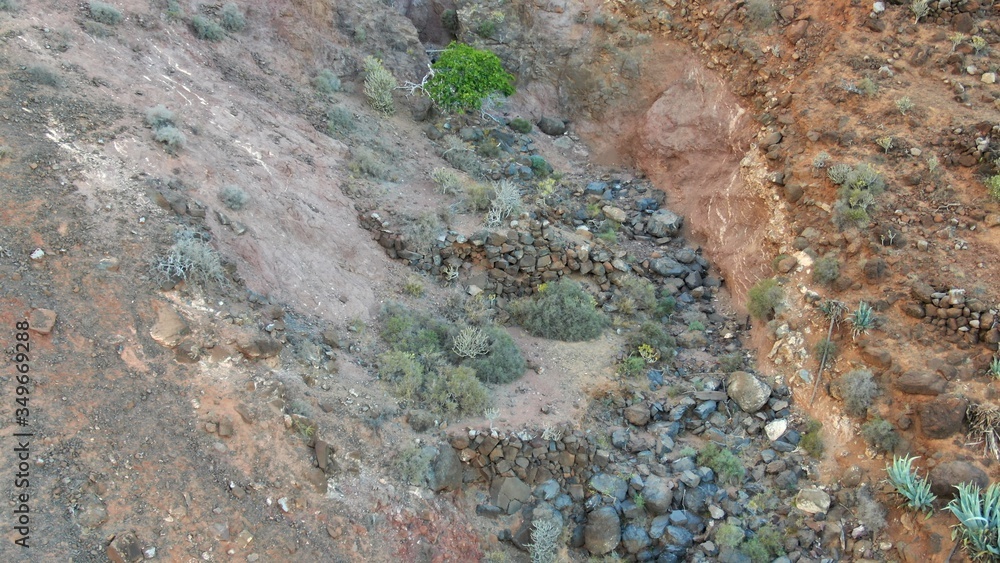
<point>683,296</point>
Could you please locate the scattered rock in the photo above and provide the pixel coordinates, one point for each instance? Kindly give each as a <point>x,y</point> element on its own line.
<point>91,512</point>
<point>42,320</point>
<point>637,414</point>
<point>170,328</point>
<point>664,223</point>
<point>658,494</point>
<point>446,471</point>
<point>506,491</point>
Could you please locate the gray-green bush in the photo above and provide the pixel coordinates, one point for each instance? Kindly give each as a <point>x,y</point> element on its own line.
<point>232,18</point>
<point>326,81</point>
<point>192,260</point>
<point>172,138</point>
<point>561,311</point>
<point>104,13</point>
<point>159,116</point>
<point>858,390</point>
<point>233,197</point>
<point>207,29</point>
<point>826,270</point>
<point>764,297</point>
<point>881,434</point>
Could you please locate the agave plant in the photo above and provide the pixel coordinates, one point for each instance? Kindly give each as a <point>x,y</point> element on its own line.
<point>994,369</point>
<point>862,320</point>
<point>911,486</point>
<point>978,521</point>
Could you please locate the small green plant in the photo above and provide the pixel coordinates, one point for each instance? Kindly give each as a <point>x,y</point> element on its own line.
<point>632,366</point>
<point>765,546</point>
<point>639,501</point>
<point>159,116</point>
<point>812,439</point>
<point>858,390</point>
<point>367,163</point>
<point>207,29</point>
<point>904,104</point>
<point>933,164</point>
<point>8,6</point>
<point>463,77</point>
<point>731,362</point>
<point>609,232</point>
<point>978,520</point>
<point>729,535</point>
<point>956,39</point>
<point>979,45</point>
<point>539,166</point>
<point>726,465</point>
<point>379,84</point>
<point>520,125</point>
<point>916,490</point>
<point>648,354</point>
<point>192,260</point>
<point>867,86</point>
<point>993,185</point>
<point>862,320</point>
<point>470,342</point>
<point>104,13</point>
<point>413,464</point>
<point>414,286</point>
<point>233,197</point>
<point>885,142</point>
<point>696,326</point>
<point>564,311</point>
<point>326,82</point>
<point>447,181</point>
<point>545,535</point>
<point>764,297</point>
<point>994,369</point>
<point>826,270</point>
<point>232,18</point>
<point>919,9</point>
<point>820,160</point>
<point>652,335</point>
<point>881,434</point>
<point>42,75</point>
<point>665,306</point>
<point>174,10</point>
<point>304,429</point>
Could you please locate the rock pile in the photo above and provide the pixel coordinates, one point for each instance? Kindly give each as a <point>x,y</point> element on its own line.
<point>959,317</point>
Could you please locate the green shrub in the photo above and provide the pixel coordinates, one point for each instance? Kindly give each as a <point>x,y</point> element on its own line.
<point>632,366</point>
<point>826,347</point>
<point>812,439</point>
<point>445,389</point>
<point>881,434</point>
<point>729,535</point>
<point>826,270</point>
<point>326,82</point>
<point>192,260</point>
<point>978,520</point>
<point>652,334</point>
<point>858,390</point>
<point>539,166</point>
<point>207,29</point>
<point>159,116</point>
<point>561,311</point>
<point>910,485</point>
<point>477,196</point>
<point>731,362</point>
<point>232,18</point>
<point>862,320</point>
<point>8,6</point>
<point>726,465</point>
<point>104,13</point>
<point>171,137</point>
<point>233,197</point>
<point>993,185</point>
<point>413,464</point>
<point>666,306</point>
<point>503,363</point>
<point>447,181</point>
<point>379,84</point>
<point>464,76</point>
<point>520,125</point>
<point>765,546</point>
<point>641,290</point>
<point>764,297</point>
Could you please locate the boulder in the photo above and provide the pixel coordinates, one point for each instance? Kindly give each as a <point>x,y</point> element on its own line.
<point>942,416</point>
<point>658,494</point>
<point>552,126</point>
<point>664,223</point>
<point>668,267</point>
<point>748,391</point>
<point>945,477</point>
<point>635,538</point>
<point>603,532</point>
<point>508,489</point>
<point>169,329</point>
<point>921,383</point>
<point>813,500</point>
<point>610,485</point>
<point>446,470</point>
<point>637,414</point>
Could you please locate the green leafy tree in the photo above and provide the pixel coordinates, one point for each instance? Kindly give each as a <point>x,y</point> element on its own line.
<point>465,76</point>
